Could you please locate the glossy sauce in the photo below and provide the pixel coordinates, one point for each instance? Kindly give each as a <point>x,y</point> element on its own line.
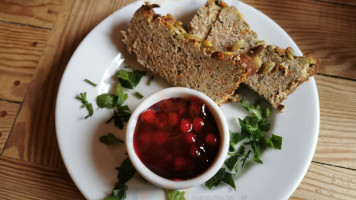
<point>177,138</point>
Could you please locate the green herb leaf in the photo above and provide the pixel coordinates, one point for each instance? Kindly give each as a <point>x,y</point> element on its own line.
<point>150,80</point>
<point>228,179</point>
<point>266,112</point>
<point>276,141</point>
<point>91,83</point>
<point>122,97</point>
<point>139,95</point>
<point>234,139</point>
<point>245,158</point>
<point>123,112</point>
<point>252,130</point>
<point>268,142</point>
<point>106,100</point>
<point>89,106</point>
<point>216,179</point>
<point>130,79</point>
<point>231,162</point>
<point>110,139</point>
<point>118,194</point>
<point>256,153</point>
<point>121,115</point>
<point>264,125</point>
<point>175,194</point>
<point>252,108</point>
<point>126,172</point>
<point>221,176</point>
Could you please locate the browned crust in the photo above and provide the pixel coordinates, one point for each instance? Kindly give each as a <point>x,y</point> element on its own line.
<point>313,68</point>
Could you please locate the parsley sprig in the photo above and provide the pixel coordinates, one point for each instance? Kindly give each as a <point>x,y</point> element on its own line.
<point>121,113</point>
<point>86,104</point>
<point>126,172</point>
<point>130,79</point>
<point>253,128</point>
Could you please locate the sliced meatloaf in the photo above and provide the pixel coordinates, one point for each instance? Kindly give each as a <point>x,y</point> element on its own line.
<point>283,71</point>
<point>204,18</point>
<point>163,46</point>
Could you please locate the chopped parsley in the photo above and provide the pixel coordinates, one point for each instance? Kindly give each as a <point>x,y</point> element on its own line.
<point>130,79</point>
<point>253,128</point>
<point>86,104</point>
<point>175,194</point>
<point>139,95</point>
<point>90,82</point>
<point>110,139</point>
<point>150,80</point>
<point>106,100</point>
<point>126,172</point>
<point>121,113</point>
<point>221,176</point>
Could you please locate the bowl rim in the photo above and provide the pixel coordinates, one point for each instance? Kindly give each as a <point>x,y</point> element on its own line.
<point>223,131</point>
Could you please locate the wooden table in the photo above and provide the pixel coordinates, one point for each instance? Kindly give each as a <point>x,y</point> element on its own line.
<point>38,37</point>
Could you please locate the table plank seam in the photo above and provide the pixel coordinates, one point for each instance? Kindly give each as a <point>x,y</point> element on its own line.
<point>339,77</point>
<point>12,126</point>
<point>11,101</point>
<point>28,25</point>
<point>331,165</point>
<point>335,3</point>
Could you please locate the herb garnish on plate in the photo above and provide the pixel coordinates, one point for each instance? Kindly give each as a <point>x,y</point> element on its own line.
<point>253,129</point>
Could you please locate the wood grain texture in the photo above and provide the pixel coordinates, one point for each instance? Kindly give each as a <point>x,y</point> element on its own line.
<point>8,113</point>
<point>24,180</point>
<point>341,2</point>
<point>327,183</point>
<point>31,166</point>
<point>41,13</point>
<point>337,139</point>
<point>21,48</point>
<point>325,29</point>
<point>33,135</point>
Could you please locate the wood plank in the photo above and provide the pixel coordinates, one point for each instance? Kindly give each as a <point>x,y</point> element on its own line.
<point>324,29</point>
<point>342,2</point>
<point>24,180</point>
<point>337,139</point>
<point>33,136</point>
<point>20,51</point>
<point>326,182</point>
<point>8,113</point>
<point>41,13</point>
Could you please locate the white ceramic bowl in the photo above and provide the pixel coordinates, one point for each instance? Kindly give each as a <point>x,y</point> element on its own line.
<point>184,93</point>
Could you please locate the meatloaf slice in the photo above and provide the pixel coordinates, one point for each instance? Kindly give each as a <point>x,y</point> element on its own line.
<point>204,18</point>
<point>281,72</point>
<point>162,46</point>
<point>231,33</point>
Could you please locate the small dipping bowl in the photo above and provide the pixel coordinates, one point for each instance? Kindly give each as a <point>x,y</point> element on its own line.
<point>221,123</point>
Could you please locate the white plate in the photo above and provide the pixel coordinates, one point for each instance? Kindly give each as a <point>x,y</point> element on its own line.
<point>91,164</point>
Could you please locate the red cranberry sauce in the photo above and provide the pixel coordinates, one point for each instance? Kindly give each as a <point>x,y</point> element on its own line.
<point>177,138</point>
